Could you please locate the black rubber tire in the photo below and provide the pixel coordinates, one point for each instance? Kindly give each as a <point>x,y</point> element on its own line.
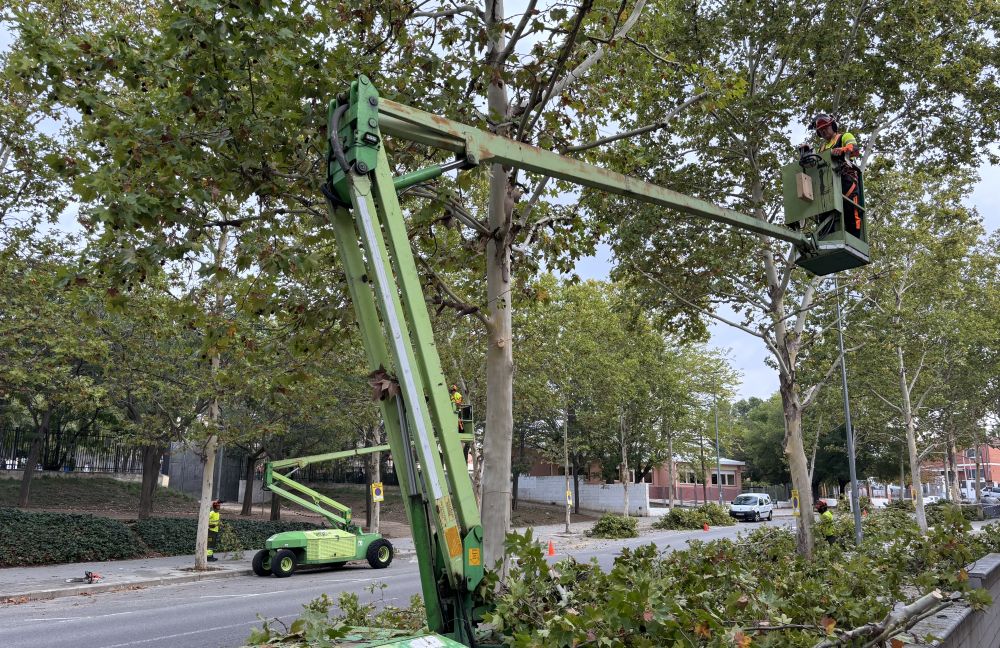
<point>756,516</point>
<point>380,553</point>
<point>262,563</point>
<point>770,515</point>
<point>284,563</point>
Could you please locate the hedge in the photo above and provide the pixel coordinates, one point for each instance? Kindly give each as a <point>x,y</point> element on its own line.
<point>48,538</point>
<point>176,536</point>
<point>30,538</point>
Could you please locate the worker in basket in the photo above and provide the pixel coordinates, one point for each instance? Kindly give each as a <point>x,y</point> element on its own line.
<point>843,147</point>
<point>456,402</point>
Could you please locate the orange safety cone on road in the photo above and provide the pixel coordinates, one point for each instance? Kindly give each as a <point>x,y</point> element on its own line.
<point>704,526</point>
<point>552,548</point>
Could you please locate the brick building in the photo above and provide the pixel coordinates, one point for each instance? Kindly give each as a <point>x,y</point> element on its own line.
<point>690,484</point>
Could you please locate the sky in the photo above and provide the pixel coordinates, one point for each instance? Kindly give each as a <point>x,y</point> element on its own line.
<point>746,353</point>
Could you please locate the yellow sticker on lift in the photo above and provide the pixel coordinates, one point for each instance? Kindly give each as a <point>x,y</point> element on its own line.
<point>475,557</point>
<point>454,541</point>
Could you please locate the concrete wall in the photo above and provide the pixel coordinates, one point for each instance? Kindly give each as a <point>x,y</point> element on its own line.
<point>185,472</point>
<point>259,494</point>
<point>593,497</point>
<point>959,626</point>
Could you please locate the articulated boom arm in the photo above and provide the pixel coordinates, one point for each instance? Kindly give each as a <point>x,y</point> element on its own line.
<point>282,484</point>
<point>480,147</point>
<point>395,326</point>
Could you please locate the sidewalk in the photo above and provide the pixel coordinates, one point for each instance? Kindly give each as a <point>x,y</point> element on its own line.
<point>22,584</point>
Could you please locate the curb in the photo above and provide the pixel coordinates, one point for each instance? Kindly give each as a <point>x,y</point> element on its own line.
<point>46,594</point>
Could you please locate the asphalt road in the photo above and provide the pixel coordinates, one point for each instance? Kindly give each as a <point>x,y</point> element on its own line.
<point>221,613</point>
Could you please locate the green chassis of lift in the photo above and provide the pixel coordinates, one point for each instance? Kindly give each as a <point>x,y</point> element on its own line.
<point>392,315</point>
<point>285,552</point>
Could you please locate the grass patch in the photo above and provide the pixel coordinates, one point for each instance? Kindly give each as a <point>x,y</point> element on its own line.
<point>93,494</point>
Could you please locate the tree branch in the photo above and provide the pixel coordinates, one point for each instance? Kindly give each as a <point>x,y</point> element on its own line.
<point>814,390</point>
<point>516,34</point>
<point>894,622</point>
<point>459,304</point>
<point>560,86</point>
<point>800,320</point>
<point>650,51</point>
<point>470,9</point>
<point>663,123</point>
<point>916,374</point>
<point>700,309</point>
<point>888,402</point>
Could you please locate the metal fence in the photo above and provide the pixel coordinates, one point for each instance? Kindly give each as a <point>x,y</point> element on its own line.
<point>991,511</point>
<point>96,453</point>
<point>344,471</point>
<point>778,492</point>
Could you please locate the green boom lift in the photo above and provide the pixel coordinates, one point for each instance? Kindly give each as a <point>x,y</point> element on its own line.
<point>284,552</point>
<point>395,326</point>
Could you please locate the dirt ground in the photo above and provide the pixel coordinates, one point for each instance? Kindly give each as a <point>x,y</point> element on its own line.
<point>120,500</point>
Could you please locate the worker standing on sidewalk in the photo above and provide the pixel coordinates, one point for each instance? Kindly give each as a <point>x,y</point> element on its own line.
<point>213,529</point>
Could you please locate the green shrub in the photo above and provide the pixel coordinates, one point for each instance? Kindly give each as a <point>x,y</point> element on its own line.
<point>882,526</point>
<point>176,536</point>
<point>900,505</point>
<point>682,518</point>
<point>46,538</point>
<point>615,526</point>
<point>716,515</point>
<point>936,510</point>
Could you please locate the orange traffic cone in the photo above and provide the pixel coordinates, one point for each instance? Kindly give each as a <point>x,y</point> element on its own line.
<point>704,526</point>
<point>552,548</point>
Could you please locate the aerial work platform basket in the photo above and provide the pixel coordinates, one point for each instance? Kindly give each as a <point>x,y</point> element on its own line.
<point>815,203</point>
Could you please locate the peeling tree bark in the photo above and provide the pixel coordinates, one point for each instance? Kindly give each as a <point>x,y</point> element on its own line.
<point>212,444</point>
<point>911,442</point>
<point>953,485</point>
<point>498,441</point>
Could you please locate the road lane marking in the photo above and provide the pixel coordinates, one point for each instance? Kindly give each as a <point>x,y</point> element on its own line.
<point>243,595</point>
<point>193,632</point>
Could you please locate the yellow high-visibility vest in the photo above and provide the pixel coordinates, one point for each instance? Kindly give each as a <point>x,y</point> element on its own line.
<point>213,521</point>
<point>842,140</point>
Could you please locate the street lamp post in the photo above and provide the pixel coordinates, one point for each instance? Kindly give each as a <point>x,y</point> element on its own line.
<point>718,460</point>
<point>855,495</point>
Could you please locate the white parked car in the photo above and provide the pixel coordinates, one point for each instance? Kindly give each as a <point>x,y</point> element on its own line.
<point>752,506</point>
<point>932,499</point>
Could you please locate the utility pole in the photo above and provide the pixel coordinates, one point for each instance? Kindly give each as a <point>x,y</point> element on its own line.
<point>569,505</point>
<point>855,497</point>
<point>718,458</point>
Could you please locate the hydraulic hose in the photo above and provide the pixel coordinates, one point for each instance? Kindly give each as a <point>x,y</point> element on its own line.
<point>333,131</point>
